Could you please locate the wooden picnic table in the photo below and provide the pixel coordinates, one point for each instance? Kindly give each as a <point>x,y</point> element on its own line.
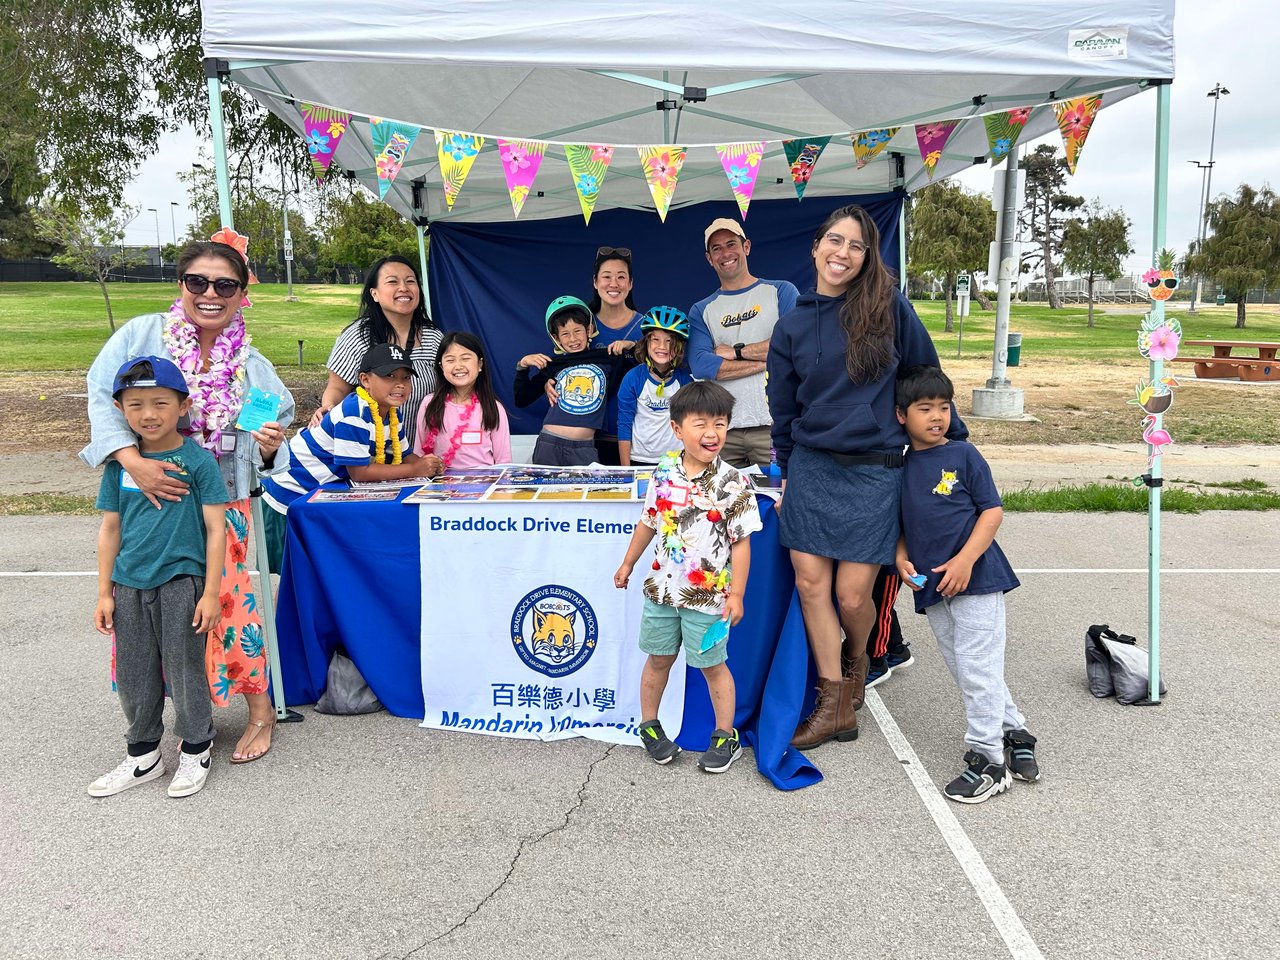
<point>1225,362</point>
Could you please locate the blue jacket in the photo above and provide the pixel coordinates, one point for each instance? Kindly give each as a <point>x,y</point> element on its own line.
<point>813,401</point>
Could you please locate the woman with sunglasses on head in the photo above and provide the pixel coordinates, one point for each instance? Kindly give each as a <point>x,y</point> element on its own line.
<point>391,311</point>
<point>617,325</point>
<point>204,334</point>
<point>833,366</point>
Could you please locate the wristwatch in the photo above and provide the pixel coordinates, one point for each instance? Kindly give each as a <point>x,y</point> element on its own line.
<point>737,350</point>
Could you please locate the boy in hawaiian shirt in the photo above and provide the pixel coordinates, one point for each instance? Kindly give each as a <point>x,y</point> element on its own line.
<point>703,512</point>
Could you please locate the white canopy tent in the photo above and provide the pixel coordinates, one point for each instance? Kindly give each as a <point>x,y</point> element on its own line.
<point>692,73</point>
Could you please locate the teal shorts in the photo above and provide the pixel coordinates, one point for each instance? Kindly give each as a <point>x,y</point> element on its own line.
<point>662,628</point>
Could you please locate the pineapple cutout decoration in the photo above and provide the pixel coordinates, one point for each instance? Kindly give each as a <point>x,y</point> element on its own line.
<point>1160,279</point>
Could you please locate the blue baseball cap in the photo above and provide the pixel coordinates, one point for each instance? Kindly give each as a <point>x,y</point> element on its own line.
<point>149,372</point>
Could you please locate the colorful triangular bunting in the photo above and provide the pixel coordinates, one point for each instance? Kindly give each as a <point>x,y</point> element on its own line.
<point>1004,129</point>
<point>867,143</point>
<point>520,162</point>
<point>662,165</point>
<point>1075,118</point>
<point>932,139</point>
<point>323,128</point>
<point>457,152</point>
<point>588,163</point>
<point>802,157</point>
<point>741,162</point>
<point>391,141</point>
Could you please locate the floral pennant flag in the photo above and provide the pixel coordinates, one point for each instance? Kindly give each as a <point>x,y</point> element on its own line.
<point>1075,117</point>
<point>802,157</point>
<point>741,162</point>
<point>520,162</point>
<point>391,141</point>
<point>1004,129</point>
<point>457,152</point>
<point>588,163</point>
<point>323,128</point>
<point>932,139</point>
<point>868,143</point>
<point>662,165</point>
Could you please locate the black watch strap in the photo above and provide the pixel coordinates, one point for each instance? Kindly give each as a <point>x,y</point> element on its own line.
<point>737,351</point>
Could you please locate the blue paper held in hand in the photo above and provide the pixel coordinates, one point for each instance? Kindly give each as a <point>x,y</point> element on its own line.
<point>715,633</point>
<point>919,579</point>
<point>259,408</point>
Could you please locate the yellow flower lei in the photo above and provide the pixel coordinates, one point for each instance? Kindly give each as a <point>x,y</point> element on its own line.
<point>379,430</point>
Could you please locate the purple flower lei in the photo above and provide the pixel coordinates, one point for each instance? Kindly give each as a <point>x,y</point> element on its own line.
<point>218,393</point>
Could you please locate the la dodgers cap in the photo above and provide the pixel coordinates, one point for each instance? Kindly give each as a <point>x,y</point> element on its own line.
<point>383,358</point>
<point>723,223</point>
<point>149,372</point>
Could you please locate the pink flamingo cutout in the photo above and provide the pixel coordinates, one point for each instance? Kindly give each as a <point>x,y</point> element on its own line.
<point>1158,439</point>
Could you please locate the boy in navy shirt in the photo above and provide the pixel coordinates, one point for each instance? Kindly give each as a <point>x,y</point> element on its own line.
<point>950,514</point>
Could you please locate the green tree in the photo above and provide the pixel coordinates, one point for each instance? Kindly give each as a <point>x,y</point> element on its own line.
<point>91,245</point>
<point>1045,211</point>
<point>1094,248</point>
<point>950,231</point>
<point>1242,251</point>
<point>359,230</point>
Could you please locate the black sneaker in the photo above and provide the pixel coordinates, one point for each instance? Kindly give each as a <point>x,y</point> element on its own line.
<point>980,780</point>
<point>656,742</point>
<point>725,748</point>
<point>1020,755</point>
<point>878,672</point>
<point>899,658</point>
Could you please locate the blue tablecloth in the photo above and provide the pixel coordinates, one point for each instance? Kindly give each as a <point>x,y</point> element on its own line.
<point>351,579</point>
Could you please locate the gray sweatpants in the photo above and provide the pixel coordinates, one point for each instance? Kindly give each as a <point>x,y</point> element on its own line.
<point>970,635</point>
<point>154,643</point>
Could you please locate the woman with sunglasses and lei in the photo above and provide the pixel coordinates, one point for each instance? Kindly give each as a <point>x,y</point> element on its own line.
<point>464,425</point>
<point>204,334</point>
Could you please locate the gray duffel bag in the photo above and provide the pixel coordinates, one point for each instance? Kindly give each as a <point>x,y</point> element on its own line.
<point>1116,666</point>
<point>346,693</point>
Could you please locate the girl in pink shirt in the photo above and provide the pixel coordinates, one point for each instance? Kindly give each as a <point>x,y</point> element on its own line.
<point>464,425</point>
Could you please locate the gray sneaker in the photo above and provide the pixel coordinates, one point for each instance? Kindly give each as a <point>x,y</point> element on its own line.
<point>657,743</point>
<point>725,748</point>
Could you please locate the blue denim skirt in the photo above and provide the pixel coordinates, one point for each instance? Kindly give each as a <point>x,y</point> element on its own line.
<point>842,512</point>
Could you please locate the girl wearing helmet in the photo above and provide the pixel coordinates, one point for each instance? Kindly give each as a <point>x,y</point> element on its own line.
<point>644,425</point>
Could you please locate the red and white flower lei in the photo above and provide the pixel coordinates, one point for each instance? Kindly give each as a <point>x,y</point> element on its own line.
<point>217,393</point>
<point>455,441</point>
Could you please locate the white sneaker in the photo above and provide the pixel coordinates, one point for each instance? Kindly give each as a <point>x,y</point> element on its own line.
<point>193,771</point>
<point>131,772</point>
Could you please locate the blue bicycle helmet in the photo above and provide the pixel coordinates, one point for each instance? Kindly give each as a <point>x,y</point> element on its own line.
<point>670,319</point>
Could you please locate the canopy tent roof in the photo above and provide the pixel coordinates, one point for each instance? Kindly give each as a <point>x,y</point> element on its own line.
<point>591,71</point>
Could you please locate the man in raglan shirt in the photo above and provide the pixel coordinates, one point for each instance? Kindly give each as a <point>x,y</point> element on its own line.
<point>729,338</point>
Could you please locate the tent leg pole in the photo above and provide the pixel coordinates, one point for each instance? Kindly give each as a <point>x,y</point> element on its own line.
<point>902,246</point>
<point>267,604</point>
<point>1160,220</point>
<point>214,84</point>
<point>422,262</point>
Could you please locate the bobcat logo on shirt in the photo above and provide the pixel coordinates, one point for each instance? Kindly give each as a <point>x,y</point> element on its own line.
<point>581,389</point>
<point>947,483</point>
<point>738,319</point>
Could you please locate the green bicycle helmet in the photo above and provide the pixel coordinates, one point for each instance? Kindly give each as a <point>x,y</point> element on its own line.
<point>564,305</point>
<point>670,319</point>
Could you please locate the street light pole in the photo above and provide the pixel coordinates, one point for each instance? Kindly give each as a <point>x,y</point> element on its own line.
<point>1204,172</point>
<point>173,226</point>
<point>159,249</point>
<point>288,237</point>
<point>1218,92</point>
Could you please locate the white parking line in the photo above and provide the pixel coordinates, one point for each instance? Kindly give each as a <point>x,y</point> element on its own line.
<point>1005,918</point>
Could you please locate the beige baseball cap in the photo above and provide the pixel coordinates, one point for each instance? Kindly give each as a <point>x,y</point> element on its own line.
<point>724,223</point>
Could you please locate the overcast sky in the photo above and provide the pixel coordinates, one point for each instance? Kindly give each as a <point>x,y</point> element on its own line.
<point>1227,42</point>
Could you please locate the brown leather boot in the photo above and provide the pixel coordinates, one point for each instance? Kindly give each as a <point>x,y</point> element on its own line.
<point>858,677</point>
<point>832,718</point>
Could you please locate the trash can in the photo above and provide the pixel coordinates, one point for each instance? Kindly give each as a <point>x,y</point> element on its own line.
<point>1015,348</point>
<point>1221,299</point>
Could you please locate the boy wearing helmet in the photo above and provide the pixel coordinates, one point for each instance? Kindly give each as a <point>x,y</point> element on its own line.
<point>644,397</point>
<point>584,380</point>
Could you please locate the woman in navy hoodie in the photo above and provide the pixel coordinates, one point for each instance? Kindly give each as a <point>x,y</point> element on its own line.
<point>833,362</point>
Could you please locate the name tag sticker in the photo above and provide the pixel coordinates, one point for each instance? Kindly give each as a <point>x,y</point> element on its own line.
<point>127,482</point>
<point>679,495</point>
<point>228,442</point>
<point>472,436</point>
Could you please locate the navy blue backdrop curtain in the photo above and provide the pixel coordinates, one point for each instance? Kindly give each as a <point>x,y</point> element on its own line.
<point>496,279</point>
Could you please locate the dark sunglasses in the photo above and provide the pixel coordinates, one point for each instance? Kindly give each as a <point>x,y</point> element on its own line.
<point>612,253</point>
<point>223,286</point>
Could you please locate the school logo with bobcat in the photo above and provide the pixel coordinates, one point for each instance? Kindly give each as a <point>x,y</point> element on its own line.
<point>581,389</point>
<point>947,483</point>
<point>554,630</point>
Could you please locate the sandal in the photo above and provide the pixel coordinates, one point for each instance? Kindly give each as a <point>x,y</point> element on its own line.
<point>268,725</point>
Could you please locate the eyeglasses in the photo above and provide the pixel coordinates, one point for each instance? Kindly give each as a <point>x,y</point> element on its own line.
<point>611,253</point>
<point>223,286</point>
<point>856,247</point>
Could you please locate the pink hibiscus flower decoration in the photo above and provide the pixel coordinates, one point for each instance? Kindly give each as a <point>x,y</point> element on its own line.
<point>388,167</point>
<point>933,131</point>
<point>601,152</point>
<point>1076,120</point>
<point>1151,276</point>
<point>664,170</point>
<point>1019,117</point>
<point>515,157</point>
<point>1164,343</point>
